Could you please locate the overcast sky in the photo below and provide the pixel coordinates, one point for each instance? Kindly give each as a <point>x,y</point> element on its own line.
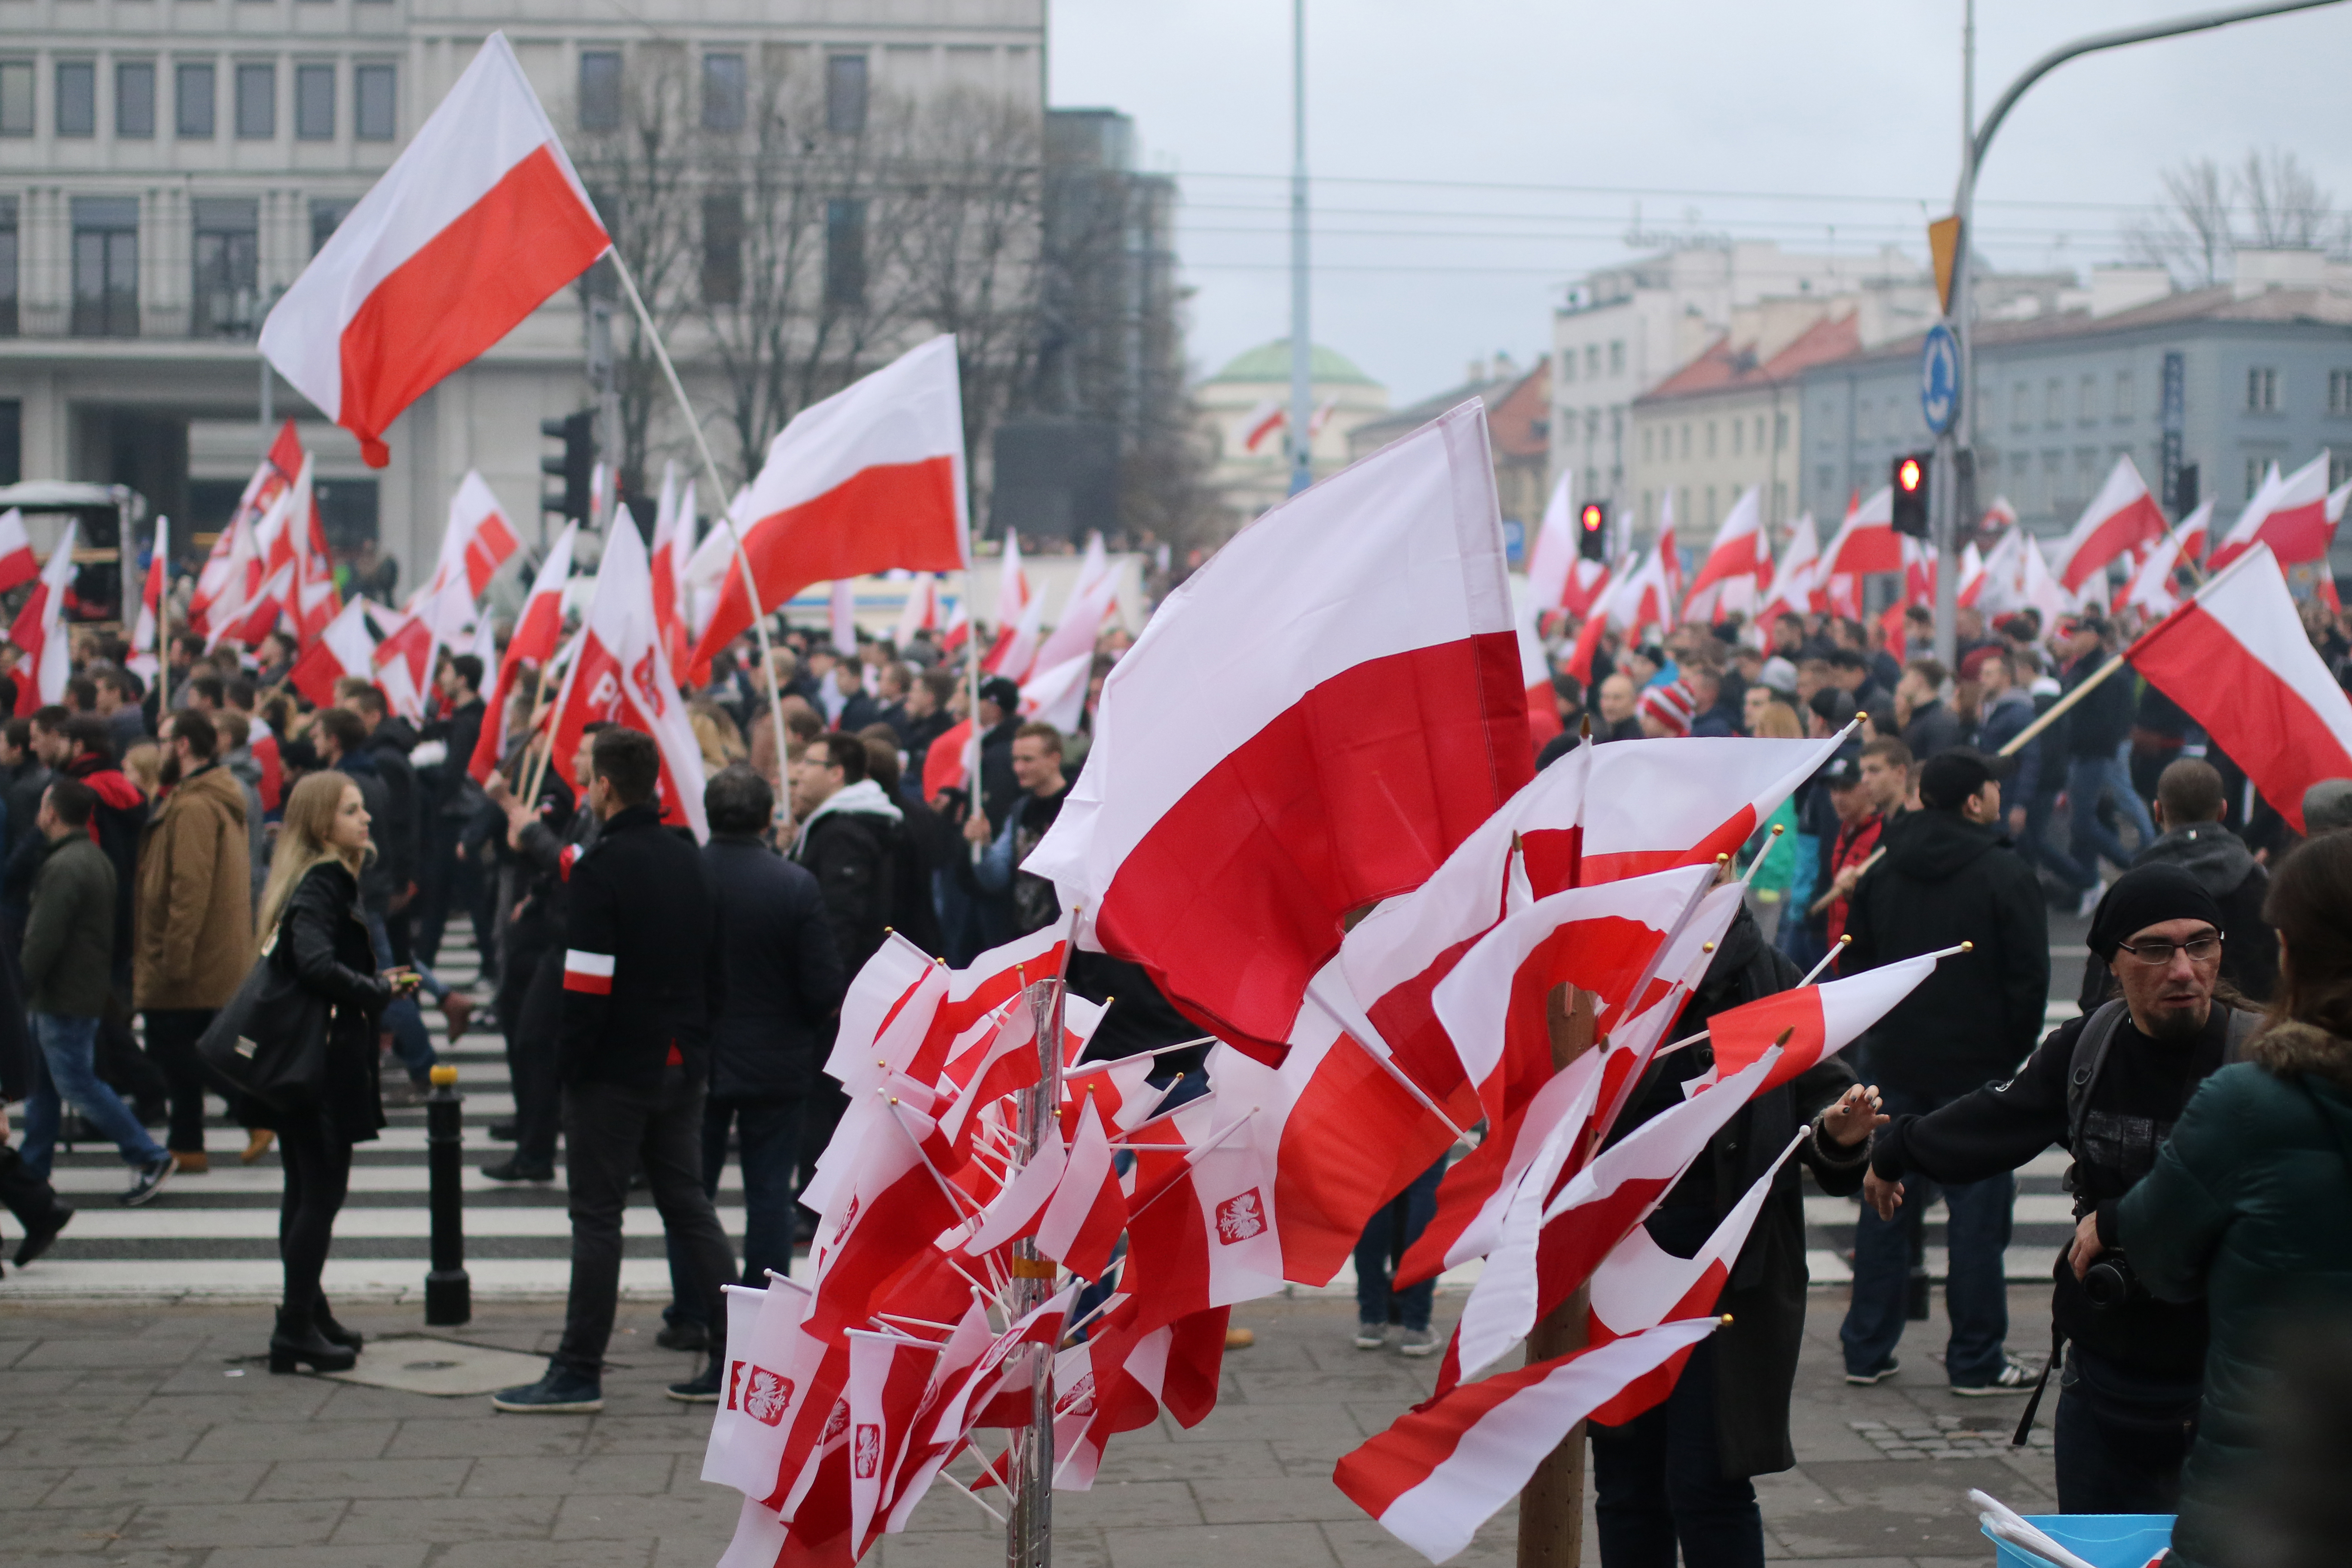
<point>1710,113</point>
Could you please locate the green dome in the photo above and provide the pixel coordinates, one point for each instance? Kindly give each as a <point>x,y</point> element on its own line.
<point>1271,362</point>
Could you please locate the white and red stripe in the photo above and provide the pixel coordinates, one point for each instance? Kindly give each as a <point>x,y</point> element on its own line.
<point>1819,1020</point>
<point>1867,542</point>
<point>2121,518</point>
<point>1370,618</point>
<point>589,973</point>
<point>146,634</point>
<point>870,478</point>
<point>476,223</point>
<point>39,631</point>
<point>2289,514</point>
<point>1089,1209</point>
<point>1261,422</point>
<point>346,645</point>
<point>2236,658</point>
<point>2150,588</point>
<point>1740,553</point>
<point>536,631</point>
<point>18,564</point>
<point>1554,557</point>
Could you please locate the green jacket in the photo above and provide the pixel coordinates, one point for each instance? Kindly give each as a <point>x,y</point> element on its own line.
<point>70,936</point>
<point>2245,1208</point>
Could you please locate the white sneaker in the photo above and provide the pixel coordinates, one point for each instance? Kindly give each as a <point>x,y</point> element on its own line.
<point>2014,1377</point>
<point>1371,1336</point>
<point>1418,1342</point>
<point>2091,897</point>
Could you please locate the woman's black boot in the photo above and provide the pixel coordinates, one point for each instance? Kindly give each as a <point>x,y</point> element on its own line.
<point>297,1343</point>
<point>334,1332</point>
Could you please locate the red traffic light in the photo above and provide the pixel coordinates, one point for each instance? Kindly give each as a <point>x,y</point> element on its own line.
<point>1592,517</point>
<point>1908,475</point>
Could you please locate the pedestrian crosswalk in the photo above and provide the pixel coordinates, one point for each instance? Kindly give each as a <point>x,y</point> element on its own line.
<point>215,1235</point>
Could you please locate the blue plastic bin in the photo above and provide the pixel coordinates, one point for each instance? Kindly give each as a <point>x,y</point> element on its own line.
<point>2102,1540</point>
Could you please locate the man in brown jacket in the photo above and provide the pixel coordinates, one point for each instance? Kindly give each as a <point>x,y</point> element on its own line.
<point>192,928</point>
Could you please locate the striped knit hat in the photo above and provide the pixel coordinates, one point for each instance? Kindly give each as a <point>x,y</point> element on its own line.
<point>1672,705</point>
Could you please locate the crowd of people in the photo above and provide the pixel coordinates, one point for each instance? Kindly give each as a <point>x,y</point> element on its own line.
<point>664,1004</point>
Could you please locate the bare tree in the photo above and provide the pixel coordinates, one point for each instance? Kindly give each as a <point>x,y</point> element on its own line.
<point>2189,234</point>
<point>2285,207</point>
<point>2268,202</point>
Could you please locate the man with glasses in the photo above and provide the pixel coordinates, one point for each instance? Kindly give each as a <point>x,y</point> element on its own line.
<point>2108,1087</point>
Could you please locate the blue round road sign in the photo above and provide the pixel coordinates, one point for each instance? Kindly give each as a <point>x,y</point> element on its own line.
<point>1939,378</point>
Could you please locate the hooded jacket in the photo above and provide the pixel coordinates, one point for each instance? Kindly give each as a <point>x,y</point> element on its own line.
<point>2224,868</point>
<point>196,896</point>
<point>1944,882</point>
<point>2245,1209</point>
<point>852,845</point>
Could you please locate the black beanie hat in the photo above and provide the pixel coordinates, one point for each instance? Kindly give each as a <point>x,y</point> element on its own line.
<point>2146,895</point>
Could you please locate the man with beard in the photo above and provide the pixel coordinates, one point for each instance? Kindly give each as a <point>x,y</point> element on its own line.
<point>1037,765</point>
<point>2108,1087</point>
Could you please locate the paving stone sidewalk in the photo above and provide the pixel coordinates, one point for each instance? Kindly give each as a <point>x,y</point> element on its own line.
<point>137,1435</point>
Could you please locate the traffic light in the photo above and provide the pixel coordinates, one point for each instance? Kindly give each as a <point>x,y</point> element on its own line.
<point>1910,483</point>
<point>1593,531</point>
<point>576,468</point>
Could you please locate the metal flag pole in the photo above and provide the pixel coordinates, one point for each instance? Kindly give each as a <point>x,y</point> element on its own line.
<point>717,497</point>
<point>1029,1532</point>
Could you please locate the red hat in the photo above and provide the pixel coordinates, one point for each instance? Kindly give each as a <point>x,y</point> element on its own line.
<point>1672,705</point>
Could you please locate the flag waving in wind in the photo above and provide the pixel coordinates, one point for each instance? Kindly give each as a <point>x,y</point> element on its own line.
<point>476,222</point>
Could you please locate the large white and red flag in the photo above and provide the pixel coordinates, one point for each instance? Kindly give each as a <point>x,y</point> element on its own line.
<point>2288,513</point>
<point>2236,658</point>
<point>870,478</point>
<point>1652,593</point>
<point>1726,578</point>
<point>1092,600</point>
<point>1447,1467</point>
<point>673,550</point>
<point>1312,722</point>
<point>536,631</point>
<point>476,223</point>
<point>621,674</point>
<point>147,632</point>
<point>345,647</point>
<point>40,632</point>
<point>18,564</point>
<point>2121,518</point>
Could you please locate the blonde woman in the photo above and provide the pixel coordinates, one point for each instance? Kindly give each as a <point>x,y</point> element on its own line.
<point>310,922</point>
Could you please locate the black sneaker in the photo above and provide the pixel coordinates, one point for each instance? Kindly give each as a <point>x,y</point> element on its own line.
<point>561,1392</point>
<point>683,1336</point>
<point>703,1390</point>
<point>2014,1377</point>
<point>515,1168</point>
<point>151,1182</point>
<point>36,1240</point>
<point>1879,1373</point>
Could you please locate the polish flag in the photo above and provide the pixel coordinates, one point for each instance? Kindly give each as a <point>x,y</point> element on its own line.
<point>1641,1285</point>
<point>952,760</point>
<point>920,613</point>
<point>476,223</point>
<point>1555,555</point>
<point>18,563</point>
<point>1793,579</point>
<point>957,632</point>
<point>1261,422</point>
<point>40,628</point>
<point>1820,1021</point>
<point>673,549</point>
<point>2288,514</point>
<point>1580,653</point>
<point>886,1194</point>
<point>402,660</point>
<point>2236,658</point>
<point>146,636</point>
<point>2121,518</point>
<point>1650,595</point>
<point>887,1375</point>
<point>536,631</point>
<point>870,478</point>
<point>346,647</point>
<point>1972,574</point>
<point>1587,581</point>
<point>1332,703</point>
<point>2335,500</point>
<point>221,583</point>
<point>622,675</point>
<point>2150,588</point>
<point>1014,653</point>
<point>317,600</point>
<point>1535,675</point>
<point>1119,1090</point>
<point>1867,542</point>
<point>1447,1467</point>
<point>1057,694</point>
<point>2037,586</point>
<point>1088,1208</point>
<point>1201,1227</point>
<point>1741,550</point>
<point>1091,604</point>
<point>1013,591</point>
<point>756,1388</point>
<point>479,540</point>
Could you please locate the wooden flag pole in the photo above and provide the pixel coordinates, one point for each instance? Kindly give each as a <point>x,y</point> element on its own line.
<point>2059,708</point>
<point>537,768</point>
<point>1551,1505</point>
<point>719,499</point>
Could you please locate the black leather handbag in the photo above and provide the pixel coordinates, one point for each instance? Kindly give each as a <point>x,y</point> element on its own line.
<point>271,1041</point>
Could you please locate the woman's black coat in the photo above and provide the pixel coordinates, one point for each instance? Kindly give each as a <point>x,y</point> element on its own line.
<point>325,938</point>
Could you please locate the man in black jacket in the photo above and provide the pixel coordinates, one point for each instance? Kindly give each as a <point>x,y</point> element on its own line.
<point>1948,877</point>
<point>445,881</point>
<point>2097,730</point>
<point>2193,814</point>
<point>849,840</point>
<point>2107,1086</point>
<point>640,978</point>
<point>1681,1471</point>
<point>782,985</point>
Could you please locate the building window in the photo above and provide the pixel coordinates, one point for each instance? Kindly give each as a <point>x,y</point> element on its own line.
<point>12,441</point>
<point>2339,391</point>
<point>1686,440</point>
<point>722,92</point>
<point>314,102</point>
<point>845,252</point>
<point>722,248</point>
<point>1617,357</point>
<point>1568,364</point>
<point>2262,390</point>
<point>1780,499</point>
<point>1737,433</point>
<point>2021,406</point>
<point>105,267</point>
<point>257,101</point>
<point>7,266</point>
<point>192,82</point>
<point>1779,432</point>
<point>16,97</point>
<point>1710,437</point>
<point>600,90</point>
<point>2255,468</point>
<point>1646,453</point>
<point>76,98</point>
<point>1592,362</point>
<point>2125,396</point>
<point>2086,399</point>
<point>2339,468</point>
<point>376,114</point>
<point>1711,519</point>
<point>326,215</point>
<point>134,100</point>
<point>224,299</point>
<point>845,94</point>
<point>2053,399</point>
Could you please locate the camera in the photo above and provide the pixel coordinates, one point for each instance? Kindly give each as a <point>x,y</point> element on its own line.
<point>2110,1282</point>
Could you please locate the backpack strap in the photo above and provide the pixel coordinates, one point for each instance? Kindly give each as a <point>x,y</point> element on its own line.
<point>2084,1067</point>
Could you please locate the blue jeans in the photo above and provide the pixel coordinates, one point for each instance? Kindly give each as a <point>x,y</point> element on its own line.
<point>68,1055</point>
<point>2036,847</point>
<point>2122,1436</point>
<point>1395,1227</point>
<point>1975,1292</point>
<point>1658,1479</point>
<point>771,1134</point>
<point>403,1017</point>
<point>2086,779</point>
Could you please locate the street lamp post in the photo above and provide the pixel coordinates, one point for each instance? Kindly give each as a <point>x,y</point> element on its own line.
<point>1302,349</point>
<point>1961,307</point>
